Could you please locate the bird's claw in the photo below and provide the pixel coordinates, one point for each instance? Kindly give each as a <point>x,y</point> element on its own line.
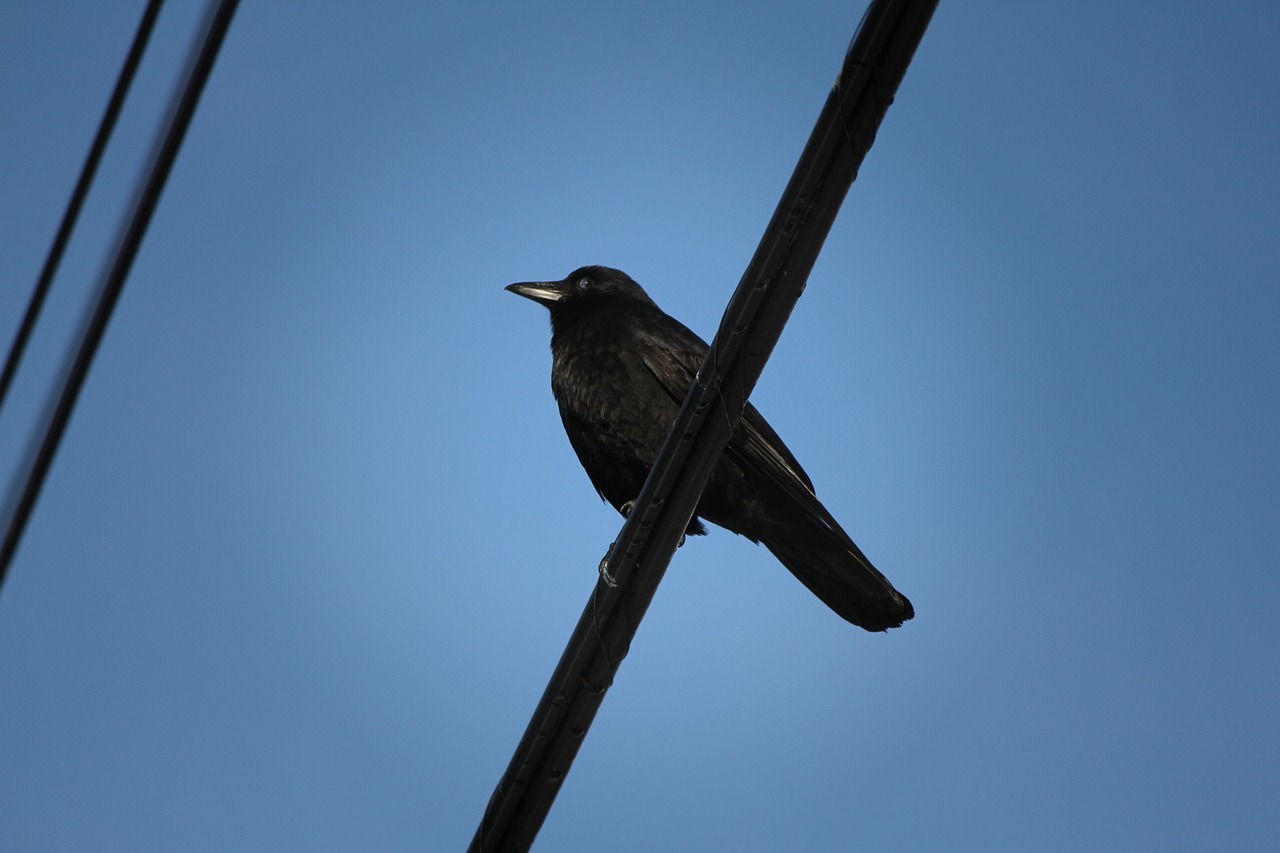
<point>604,568</point>
<point>608,579</point>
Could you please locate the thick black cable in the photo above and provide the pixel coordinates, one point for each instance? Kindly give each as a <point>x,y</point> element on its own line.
<point>26,489</point>
<point>72,213</point>
<point>874,66</point>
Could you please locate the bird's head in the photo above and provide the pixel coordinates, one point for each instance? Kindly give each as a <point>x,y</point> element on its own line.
<point>583,291</point>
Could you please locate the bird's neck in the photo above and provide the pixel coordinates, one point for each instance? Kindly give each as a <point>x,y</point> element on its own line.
<point>570,327</point>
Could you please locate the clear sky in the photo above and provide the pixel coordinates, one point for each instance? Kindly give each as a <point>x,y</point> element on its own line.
<point>315,538</point>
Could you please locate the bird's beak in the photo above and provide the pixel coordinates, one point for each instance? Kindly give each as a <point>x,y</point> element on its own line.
<point>546,293</point>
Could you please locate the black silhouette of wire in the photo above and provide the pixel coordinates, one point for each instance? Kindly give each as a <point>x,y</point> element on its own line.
<point>30,477</point>
<point>72,213</point>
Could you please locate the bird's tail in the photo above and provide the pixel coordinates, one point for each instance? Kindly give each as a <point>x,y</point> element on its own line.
<point>835,570</point>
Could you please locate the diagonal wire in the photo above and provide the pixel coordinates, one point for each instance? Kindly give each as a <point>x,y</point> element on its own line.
<point>27,482</point>
<point>874,66</point>
<point>72,213</point>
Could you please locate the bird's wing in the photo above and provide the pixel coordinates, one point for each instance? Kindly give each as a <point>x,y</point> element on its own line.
<point>673,355</point>
<point>755,439</point>
<point>674,359</point>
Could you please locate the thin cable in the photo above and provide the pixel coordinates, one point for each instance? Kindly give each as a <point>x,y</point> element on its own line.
<point>23,495</point>
<point>72,213</point>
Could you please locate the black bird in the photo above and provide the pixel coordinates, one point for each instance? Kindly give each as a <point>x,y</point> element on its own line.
<point>620,370</point>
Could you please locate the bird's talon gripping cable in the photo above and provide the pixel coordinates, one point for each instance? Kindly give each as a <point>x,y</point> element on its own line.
<point>604,568</point>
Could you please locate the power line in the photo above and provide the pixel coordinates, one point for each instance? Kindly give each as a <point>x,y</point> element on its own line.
<point>874,66</point>
<point>78,194</point>
<point>26,489</point>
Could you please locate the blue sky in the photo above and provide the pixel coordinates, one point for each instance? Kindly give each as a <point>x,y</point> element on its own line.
<point>315,539</point>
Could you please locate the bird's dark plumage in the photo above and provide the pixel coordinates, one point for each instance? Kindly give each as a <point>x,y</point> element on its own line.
<point>620,370</point>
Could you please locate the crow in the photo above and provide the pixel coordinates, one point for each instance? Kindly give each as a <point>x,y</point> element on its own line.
<point>620,370</point>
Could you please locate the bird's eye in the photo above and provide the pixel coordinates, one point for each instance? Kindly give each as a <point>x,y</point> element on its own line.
<point>584,284</point>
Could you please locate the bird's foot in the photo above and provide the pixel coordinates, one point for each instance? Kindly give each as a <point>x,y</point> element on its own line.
<point>604,568</point>
<point>625,509</point>
<point>608,579</point>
